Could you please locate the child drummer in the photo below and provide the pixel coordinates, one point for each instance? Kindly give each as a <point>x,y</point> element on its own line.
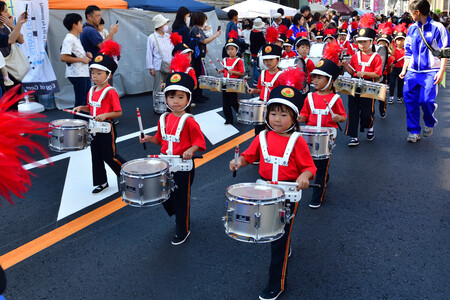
<point>399,40</point>
<point>281,139</point>
<point>367,65</point>
<point>385,39</point>
<point>179,134</point>
<point>324,109</point>
<point>233,68</point>
<point>302,45</point>
<point>104,105</point>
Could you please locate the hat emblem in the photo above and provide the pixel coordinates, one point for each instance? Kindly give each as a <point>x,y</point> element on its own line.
<point>175,78</point>
<point>185,45</point>
<point>230,40</point>
<point>288,92</point>
<point>320,63</point>
<point>385,35</point>
<point>362,31</point>
<point>99,58</point>
<point>268,49</point>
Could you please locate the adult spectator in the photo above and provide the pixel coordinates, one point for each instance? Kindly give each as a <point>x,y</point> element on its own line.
<point>305,10</point>
<point>90,37</point>
<point>181,23</point>
<point>200,40</point>
<point>422,71</point>
<point>247,25</point>
<point>257,40</point>
<point>159,52</point>
<point>297,25</point>
<point>277,18</point>
<point>284,21</point>
<point>232,24</point>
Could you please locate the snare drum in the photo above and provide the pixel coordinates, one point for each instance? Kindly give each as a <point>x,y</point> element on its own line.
<point>235,85</point>
<point>251,111</point>
<point>316,52</point>
<point>256,213</point>
<point>287,63</point>
<point>319,140</point>
<point>374,90</point>
<point>159,103</point>
<point>203,82</point>
<point>69,135</point>
<point>346,85</point>
<point>145,182</point>
<point>215,84</point>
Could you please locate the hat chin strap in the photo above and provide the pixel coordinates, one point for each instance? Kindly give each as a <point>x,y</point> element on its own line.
<point>107,78</point>
<point>328,84</point>
<point>189,103</point>
<point>287,130</point>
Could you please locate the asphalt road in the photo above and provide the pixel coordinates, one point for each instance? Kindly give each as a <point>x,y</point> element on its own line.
<point>382,232</point>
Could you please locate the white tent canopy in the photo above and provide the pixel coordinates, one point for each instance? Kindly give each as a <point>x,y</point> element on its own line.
<point>316,7</point>
<point>260,8</point>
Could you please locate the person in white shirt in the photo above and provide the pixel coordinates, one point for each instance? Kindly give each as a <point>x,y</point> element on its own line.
<point>77,60</point>
<point>159,52</point>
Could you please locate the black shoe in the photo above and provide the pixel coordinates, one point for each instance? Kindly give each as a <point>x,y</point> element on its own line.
<point>256,162</point>
<point>353,142</point>
<point>370,135</point>
<point>229,123</point>
<point>177,240</point>
<point>100,188</point>
<point>269,294</point>
<point>383,115</point>
<point>315,205</point>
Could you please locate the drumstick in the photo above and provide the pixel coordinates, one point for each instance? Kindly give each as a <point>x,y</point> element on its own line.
<point>141,128</point>
<point>248,87</point>
<point>332,114</point>
<point>171,156</point>
<point>221,63</point>
<point>217,70</point>
<point>292,183</point>
<point>78,114</point>
<point>236,157</point>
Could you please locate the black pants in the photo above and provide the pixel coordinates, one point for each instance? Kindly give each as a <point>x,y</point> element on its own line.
<point>360,110</point>
<point>2,280</point>
<point>280,254</point>
<point>229,100</point>
<point>382,104</point>
<point>396,80</point>
<point>198,68</point>
<point>179,201</point>
<point>103,150</point>
<point>322,166</point>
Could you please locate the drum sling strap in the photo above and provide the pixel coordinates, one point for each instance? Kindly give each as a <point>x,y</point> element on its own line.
<point>268,85</point>
<point>95,126</point>
<point>187,70</point>
<point>365,64</point>
<point>320,112</point>
<point>230,67</point>
<point>275,160</point>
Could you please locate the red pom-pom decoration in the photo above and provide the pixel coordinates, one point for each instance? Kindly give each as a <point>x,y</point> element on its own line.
<point>176,38</point>
<point>303,33</point>
<point>367,21</point>
<point>344,26</point>
<point>332,51</point>
<point>289,33</point>
<point>282,29</point>
<point>233,34</point>
<point>271,35</point>
<point>293,77</point>
<point>319,26</point>
<point>110,48</point>
<point>354,25</point>
<point>179,63</point>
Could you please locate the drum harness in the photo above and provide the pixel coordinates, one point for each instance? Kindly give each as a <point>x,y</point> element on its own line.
<point>320,112</point>
<point>176,164</point>
<point>230,67</point>
<point>96,126</point>
<point>268,85</point>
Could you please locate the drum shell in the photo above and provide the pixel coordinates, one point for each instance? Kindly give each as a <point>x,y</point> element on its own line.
<point>145,190</point>
<point>235,85</point>
<point>65,137</point>
<point>159,103</point>
<point>203,82</point>
<point>316,52</point>
<point>286,63</point>
<point>215,84</point>
<point>255,221</point>
<point>319,142</point>
<point>346,86</point>
<point>251,111</point>
<point>375,91</point>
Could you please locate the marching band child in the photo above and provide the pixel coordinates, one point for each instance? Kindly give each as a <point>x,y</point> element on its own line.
<point>352,46</point>
<point>288,53</point>
<point>329,35</point>
<point>319,33</point>
<point>179,134</point>
<point>233,68</point>
<point>180,64</point>
<point>385,40</point>
<point>281,139</point>
<point>302,45</point>
<point>342,36</point>
<point>324,109</point>
<point>399,40</point>
<point>104,105</point>
<point>364,64</point>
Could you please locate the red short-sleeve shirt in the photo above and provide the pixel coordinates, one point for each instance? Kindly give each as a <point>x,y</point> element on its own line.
<point>399,53</point>
<point>239,67</point>
<point>192,74</point>
<point>319,103</point>
<point>300,159</point>
<point>375,66</point>
<point>268,77</point>
<point>110,103</point>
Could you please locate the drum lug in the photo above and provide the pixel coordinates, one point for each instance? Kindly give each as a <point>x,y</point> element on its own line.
<point>229,216</point>
<point>141,190</point>
<point>317,146</point>
<point>282,216</point>
<point>257,220</point>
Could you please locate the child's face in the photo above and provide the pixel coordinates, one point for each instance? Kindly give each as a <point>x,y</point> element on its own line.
<point>287,48</point>
<point>189,56</point>
<point>271,63</point>
<point>280,119</point>
<point>342,37</point>
<point>364,45</point>
<point>303,50</point>
<point>177,101</point>
<point>279,43</point>
<point>400,43</point>
<point>319,40</point>
<point>383,43</point>
<point>330,40</point>
<point>98,76</point>
<point>78,27</point>
<point>100,27</point>
<point>231,51</point>
<point>319,81</point>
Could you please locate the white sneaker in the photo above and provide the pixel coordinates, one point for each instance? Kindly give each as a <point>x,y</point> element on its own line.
<point>413,137</point>
<point>400,100</point>
<point>391,100</point>
<point>428,131</point>
<point>8,82</point>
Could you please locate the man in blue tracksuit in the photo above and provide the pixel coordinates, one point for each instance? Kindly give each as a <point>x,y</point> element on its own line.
<point>425,71</point>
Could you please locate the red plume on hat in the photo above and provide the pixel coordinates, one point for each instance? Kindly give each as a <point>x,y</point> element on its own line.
<point>367,21</point>
<point>354,25</point>
<point>332,51</point>
<point>179,63</point>
<point>282,29</point>
<point>303,33</point>
<point>110,48</point>
<point>293,77</point>
<point>319,26</point>
<point>344,25</point>
<point>233,34</point>
<point>401,28</point>
<point>289,33</point>
<point>387,30</point>
<point>271,35</point>
<point>176,38</point>
<point>330,31</point>
<point>16,130</point>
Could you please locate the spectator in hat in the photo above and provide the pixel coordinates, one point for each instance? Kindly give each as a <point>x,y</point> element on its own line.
<point>277,18</point>
<point>257,40</point>
<point>159,51</point>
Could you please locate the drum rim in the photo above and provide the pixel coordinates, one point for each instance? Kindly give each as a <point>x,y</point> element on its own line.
<point>79,126</point>
<point>250,201</point>
<point>259,103</point>
<point>324,131</point>
<point>147,175</point>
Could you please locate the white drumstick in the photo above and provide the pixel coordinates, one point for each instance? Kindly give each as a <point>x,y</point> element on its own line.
<point>78,114</point>
<point>217,70</point>
<point>295,184</point>
<point>221,63</point>
<point>171,156</point>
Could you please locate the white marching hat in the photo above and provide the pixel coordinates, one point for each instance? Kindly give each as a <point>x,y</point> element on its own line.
<point>159,20</point>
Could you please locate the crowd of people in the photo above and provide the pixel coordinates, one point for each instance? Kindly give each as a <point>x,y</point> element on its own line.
<point>304,93</point>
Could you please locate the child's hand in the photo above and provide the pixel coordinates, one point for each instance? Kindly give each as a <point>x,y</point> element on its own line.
<point>143,140</point>
<point>89,54</point>
<point>100,118</point>
<point>360,74</point>
<point>336,118</point>
<point>234,167</point>
<point>188,154</point>
<point>86,60</point>
<point>302,183</point>
<point>251,91</point>
<point>77,109</point>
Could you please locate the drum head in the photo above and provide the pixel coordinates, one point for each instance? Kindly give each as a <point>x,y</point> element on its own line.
<point>255,192</point>
<point>314,130</point>
<point>145,166</point>
<point>252,102</point>
<point>69,123</point>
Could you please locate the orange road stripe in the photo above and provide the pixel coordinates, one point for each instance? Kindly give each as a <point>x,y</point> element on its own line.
<point>29,249</point>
